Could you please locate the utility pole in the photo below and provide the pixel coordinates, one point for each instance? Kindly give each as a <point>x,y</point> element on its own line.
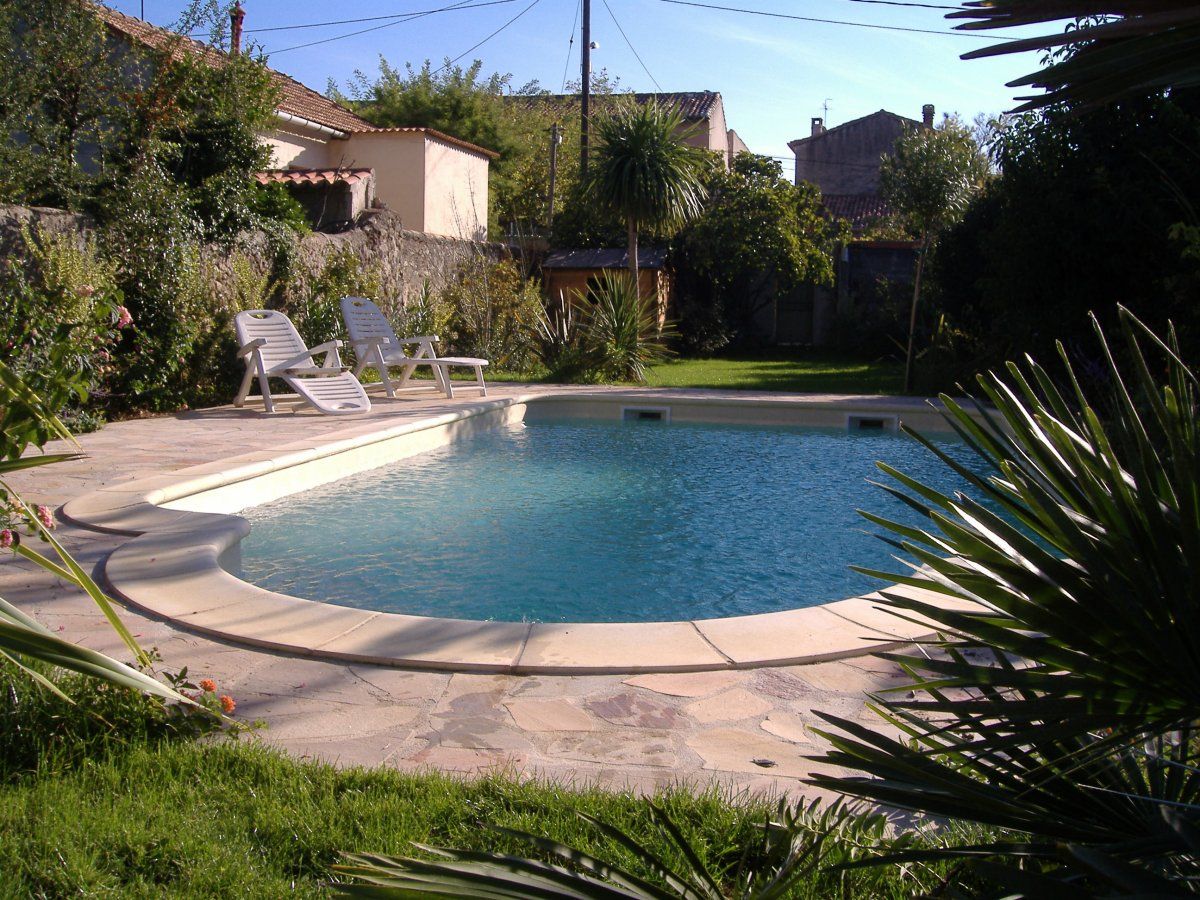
<point>555,140</point>
<point>585,85</point>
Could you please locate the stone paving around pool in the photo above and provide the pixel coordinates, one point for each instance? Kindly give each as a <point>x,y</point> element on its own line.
<point>746,729</point>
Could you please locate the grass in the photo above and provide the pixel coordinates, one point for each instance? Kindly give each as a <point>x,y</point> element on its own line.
<point>793,372</point>
<point>235,819</point>
<point>774,371</point>
<point>110,797</point>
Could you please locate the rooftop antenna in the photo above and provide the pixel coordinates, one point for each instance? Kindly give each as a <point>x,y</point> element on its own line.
<point>825,107</point>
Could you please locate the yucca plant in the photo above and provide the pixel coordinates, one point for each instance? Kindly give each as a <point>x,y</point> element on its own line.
<point>1062,700</point>
<point>25,420</point>
<point>621,330</point>
<point>794,854</point>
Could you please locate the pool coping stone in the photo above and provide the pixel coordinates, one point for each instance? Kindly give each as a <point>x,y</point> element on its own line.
<point>174,557</point>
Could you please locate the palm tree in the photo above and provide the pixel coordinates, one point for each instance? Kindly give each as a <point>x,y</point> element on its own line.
<point>1113,49</point>
<point>644,171</point>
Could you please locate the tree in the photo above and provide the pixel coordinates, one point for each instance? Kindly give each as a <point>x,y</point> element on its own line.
<point>930,182</point>
<point>758,236</point>
<point>643,169</point>
<point>58,87</point>
<point>1110,49</point>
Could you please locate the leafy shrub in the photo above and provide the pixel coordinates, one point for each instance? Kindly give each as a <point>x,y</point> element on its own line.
<point>273,202</point>
<point>42,731</point>
<point>317,311</point>
<point>425,314</point>
<point>60,314</point>
<point>492,313</point>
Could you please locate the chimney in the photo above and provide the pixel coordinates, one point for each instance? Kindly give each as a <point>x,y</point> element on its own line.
<point>818,126</point>
<point>927,115</point>
<point>236,15</point>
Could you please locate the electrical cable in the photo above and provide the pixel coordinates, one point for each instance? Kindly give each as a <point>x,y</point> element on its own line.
<point>629,44</point>
<point>775,15</point>
<point>472,49</point>
<point>407,15</point>
<point>571,45</point>
<point>461,4</point>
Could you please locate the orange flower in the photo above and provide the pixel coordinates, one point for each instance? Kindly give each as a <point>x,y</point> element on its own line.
<point>207,684</point>
<point>227,703</point>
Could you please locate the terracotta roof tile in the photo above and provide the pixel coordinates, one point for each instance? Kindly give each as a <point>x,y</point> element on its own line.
<point>313,176</point>
<point>860,210</point>
<point>437,135</point>
<point>295,98</point>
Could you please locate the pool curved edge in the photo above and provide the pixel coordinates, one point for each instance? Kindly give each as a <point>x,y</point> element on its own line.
<point>172,568</point>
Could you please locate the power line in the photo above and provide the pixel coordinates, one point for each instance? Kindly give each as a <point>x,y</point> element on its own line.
<point>489,37</point>
<point>774,15</point>
<point>407,15</point>
<point>461,4</point>
<point>903,3</point>
<point>629,44</point>
<point>570,46</point>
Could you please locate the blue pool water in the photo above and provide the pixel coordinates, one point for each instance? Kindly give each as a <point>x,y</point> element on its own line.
<point>586,521</point>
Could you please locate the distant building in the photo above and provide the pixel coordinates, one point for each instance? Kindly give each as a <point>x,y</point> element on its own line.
<point>339,164</point>
<point>844,162</point>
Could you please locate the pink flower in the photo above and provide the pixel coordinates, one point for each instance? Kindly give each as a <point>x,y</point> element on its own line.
<point>7,538</point>
<point>46,517</point>
<point>86,290</point>
<point>124,318</point>
<point>103,356</point>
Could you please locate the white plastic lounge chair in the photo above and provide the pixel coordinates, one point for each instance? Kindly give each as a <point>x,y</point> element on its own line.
<point>272,348</point>
<point>375,344</point>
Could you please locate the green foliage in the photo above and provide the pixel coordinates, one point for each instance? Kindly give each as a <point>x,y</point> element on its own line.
<point>643,171</point>
<point>239,819</point>
<point>1061,701</point>
<point>930,182</point>
<point>317,311</point>
<point>43,733</point>
<point>1080,219</point>
<point>272,202</point>
<point>933,176</point>
<point>759,236</point>
<point>491,312</point>
<point>59,82</point>
<point>60,308</point>
<point>1106,53</point>
<point>622,336</point>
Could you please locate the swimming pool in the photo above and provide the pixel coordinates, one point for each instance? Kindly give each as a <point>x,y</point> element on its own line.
<point>578,520</point>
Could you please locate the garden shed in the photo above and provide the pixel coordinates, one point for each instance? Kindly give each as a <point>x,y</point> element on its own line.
<point>569,271</point>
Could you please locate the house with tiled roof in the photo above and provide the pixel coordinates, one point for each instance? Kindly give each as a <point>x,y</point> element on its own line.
<point>338,163</point>
<point>703,112</point>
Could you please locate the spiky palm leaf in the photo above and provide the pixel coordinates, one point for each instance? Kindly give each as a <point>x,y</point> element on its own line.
<point>795,852</point>
<point>1062,700</point>
<point>26,419</point>
<point>1117,48</point>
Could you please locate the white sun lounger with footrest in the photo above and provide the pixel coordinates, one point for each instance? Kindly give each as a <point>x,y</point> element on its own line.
<point>375,344</point>
<point>271,347</point>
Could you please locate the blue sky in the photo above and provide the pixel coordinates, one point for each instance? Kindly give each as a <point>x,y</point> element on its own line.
<point>774,74</point>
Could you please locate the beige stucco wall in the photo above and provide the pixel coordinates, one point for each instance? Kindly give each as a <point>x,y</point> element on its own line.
<point>712,133</point>
<point>456,191</point>
<point>294,147</point>
<point>398,161</point>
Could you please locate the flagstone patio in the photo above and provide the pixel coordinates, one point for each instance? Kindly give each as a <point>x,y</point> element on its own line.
<point>746,729</point>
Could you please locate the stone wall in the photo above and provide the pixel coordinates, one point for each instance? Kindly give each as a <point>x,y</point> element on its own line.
<point>403,261</point>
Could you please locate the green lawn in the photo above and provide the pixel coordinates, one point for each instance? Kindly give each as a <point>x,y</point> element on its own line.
<point>236,820</point>
<point>782,372</point>
<point>793,372</point>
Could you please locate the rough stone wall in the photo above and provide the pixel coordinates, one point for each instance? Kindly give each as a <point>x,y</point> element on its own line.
<point>403,261</point>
